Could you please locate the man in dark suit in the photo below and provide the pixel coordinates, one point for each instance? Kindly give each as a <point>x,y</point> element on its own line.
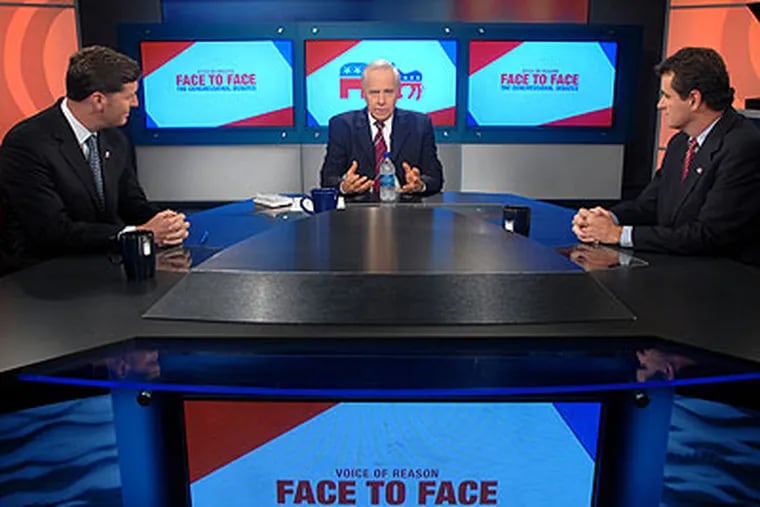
<point>67,178</point>
<point>705,198</point>
<point>358,138</point>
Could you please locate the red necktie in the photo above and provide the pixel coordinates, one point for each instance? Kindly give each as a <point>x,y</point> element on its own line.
<point>380,149</point>
<point>693,145</point>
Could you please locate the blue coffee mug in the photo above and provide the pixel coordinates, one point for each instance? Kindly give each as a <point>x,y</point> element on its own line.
<point>322,199</point>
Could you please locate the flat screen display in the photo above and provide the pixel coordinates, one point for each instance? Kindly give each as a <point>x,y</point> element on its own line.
<point>428,71</point>
<point>217,84</point>
<point>266,454</point>
<point>514,83</point>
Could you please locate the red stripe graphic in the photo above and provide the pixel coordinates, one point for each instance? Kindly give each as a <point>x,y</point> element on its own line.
<point>219,432</point>
<point>600,118</point>
<point>322,52</point>
<point>444,117</point>
<point>483,52</point>
<point>156,53</point>
<point>280,118</point>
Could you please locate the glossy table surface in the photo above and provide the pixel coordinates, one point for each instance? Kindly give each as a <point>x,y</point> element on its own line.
<point>69,306</point>
<point>389,264</point>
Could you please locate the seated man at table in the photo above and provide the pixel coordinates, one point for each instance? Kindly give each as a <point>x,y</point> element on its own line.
<point>357,141</point>
<point>705,198</point>
<point>67,178</point>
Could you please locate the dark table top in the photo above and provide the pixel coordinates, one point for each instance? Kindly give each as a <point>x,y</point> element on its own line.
<point>74,304</point>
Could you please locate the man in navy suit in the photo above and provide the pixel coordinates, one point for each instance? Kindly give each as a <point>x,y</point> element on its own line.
<point>55,197</point>
<point>705,198</point>
<point>351,161</point>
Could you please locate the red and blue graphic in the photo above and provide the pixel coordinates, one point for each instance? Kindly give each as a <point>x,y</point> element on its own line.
<point>271,454</point>
<point>427,68</point>
<point>351,79</point>
<point>211,84</point>
<point>541,83</point>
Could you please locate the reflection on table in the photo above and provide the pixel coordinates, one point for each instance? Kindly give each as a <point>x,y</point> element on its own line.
<point>215,229</point>
<point>395,368</point>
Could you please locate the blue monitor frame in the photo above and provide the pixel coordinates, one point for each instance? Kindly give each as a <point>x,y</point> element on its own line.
<point>387,31</point>
<point>132,35</point>
<point>628,39</point>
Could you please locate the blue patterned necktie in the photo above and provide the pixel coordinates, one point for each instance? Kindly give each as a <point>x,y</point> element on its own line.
<point>97,171</point>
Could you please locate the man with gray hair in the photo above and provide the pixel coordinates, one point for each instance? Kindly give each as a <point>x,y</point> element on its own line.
<point>358,139</point>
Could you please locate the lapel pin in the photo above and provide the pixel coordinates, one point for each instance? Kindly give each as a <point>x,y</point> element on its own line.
<point>107,154</point>
<point>699,170</point>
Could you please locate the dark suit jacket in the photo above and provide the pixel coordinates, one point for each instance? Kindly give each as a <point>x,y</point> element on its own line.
<point>48,193</point>
<point>716,210</point>
<point>412,141</point>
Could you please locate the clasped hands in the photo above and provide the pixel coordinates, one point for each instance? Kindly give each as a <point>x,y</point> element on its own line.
<point>169,228</point>
<point>596,225</point>
<point>354,183</point>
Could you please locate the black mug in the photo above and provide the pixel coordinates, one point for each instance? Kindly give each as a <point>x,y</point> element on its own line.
<point>517,219</point>
<point>138,254</point>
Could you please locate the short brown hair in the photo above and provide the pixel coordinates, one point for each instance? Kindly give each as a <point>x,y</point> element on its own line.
<point>98,69</point>
<point>699,69</point>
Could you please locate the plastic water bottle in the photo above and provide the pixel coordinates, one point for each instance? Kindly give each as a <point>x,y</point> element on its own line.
<point>388,192</point>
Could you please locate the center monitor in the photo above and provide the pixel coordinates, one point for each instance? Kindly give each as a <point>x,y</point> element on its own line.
<point>427,67</point>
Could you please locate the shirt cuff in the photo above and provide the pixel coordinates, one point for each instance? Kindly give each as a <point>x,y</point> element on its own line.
<point>626,237</point>
<point>128,228</point>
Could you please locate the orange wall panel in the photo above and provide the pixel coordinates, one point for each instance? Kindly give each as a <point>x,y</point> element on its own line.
<point>688,3</point>
<point>732,31</point>
<point>665,133</point>
<point>35,45</point>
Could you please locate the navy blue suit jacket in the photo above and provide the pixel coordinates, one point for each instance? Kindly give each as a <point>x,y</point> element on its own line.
<point>716,210</point>
<point>412,141</point>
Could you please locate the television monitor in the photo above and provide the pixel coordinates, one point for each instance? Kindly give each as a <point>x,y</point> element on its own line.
<point>542,83</point>
<point>428,69</point>
<point>408,453</point>
<point>217,84</point>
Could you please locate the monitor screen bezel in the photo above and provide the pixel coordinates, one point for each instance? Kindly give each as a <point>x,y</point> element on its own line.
<point>131,39</point>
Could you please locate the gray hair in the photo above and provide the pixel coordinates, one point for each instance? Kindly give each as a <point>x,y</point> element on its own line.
<point>381,64</point>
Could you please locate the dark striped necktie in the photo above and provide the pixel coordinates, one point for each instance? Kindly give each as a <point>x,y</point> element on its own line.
<point>380,149</point>
<point>93,158</point>
<point>693,145</point>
